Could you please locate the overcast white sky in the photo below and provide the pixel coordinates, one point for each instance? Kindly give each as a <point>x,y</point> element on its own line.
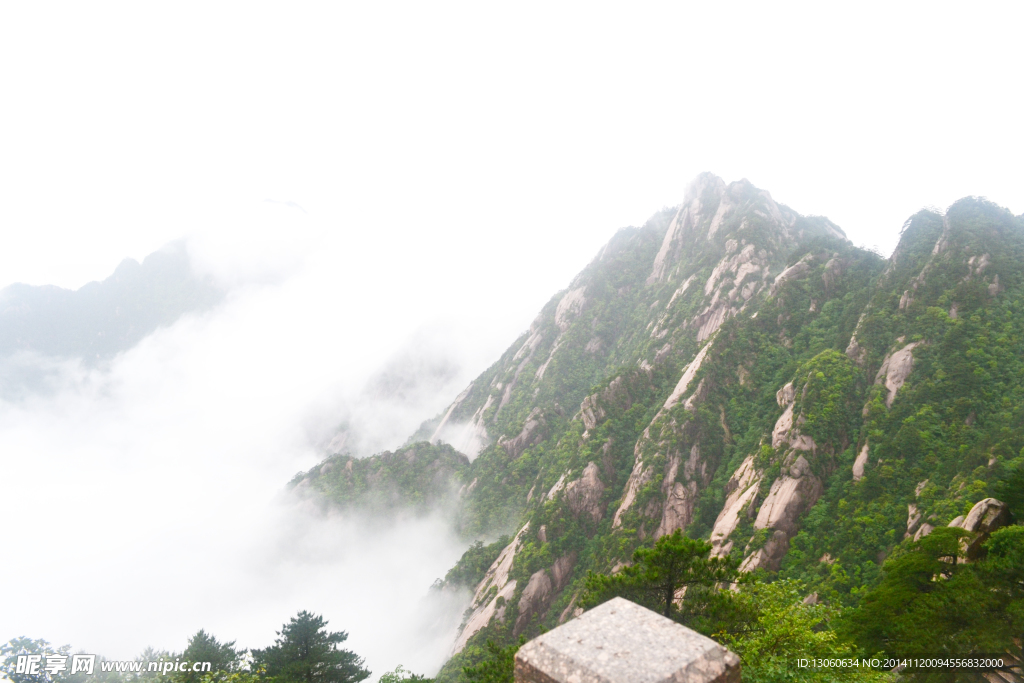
<point>526,132</point>
<point>455,165</point>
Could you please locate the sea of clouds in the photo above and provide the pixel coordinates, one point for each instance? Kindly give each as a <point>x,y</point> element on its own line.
<point>146,498</point>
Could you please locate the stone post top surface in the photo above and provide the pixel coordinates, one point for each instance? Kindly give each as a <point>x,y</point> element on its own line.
<point>621,641</point>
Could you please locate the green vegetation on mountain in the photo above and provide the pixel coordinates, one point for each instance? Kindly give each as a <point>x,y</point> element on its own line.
<point>745,376</point>
<point>103,318</point>
<point>419,478</point>
<point>782,629</point>
<point>497,665</point>
<point>931,603</point>
<point>656,576</point>
<point>474,563</point>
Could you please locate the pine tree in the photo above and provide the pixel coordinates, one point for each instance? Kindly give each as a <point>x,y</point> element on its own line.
<point>203,647</point>
<point>306,652</point>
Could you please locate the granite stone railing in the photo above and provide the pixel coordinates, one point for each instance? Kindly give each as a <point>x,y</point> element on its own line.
<point>621,641</point>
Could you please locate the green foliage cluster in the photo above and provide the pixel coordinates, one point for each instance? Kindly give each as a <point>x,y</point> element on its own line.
<point>472,566</point>
<point>304,652</point>
<point>417,478</point>
<point>827,398</point>
<point>496,665</point>
<point>930,603</point>
<point>401,674</point>
<point>224,658</point>
<point>657,576</point>
<point>956,430</point>
<point>782,628</point>
<point>768,624</point>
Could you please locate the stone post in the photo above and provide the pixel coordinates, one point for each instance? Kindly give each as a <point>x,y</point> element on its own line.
<point>620,642</point>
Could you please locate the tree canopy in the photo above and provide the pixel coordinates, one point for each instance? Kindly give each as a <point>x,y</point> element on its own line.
<point>677,578</point>
<point>204,647</point>
<point>932,603</point>
<point>306,652</point>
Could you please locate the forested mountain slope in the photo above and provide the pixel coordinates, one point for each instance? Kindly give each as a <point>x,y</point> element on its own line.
<point>743,373</point>
<point>103,318</point>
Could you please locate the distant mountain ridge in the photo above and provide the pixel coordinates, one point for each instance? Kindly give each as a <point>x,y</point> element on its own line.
<point>103,318</point>
<point>746,374</point>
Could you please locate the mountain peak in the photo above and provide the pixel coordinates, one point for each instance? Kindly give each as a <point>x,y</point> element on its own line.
<point>714,213</point>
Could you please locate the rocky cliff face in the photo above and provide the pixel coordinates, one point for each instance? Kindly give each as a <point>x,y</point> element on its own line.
<point>744,373</point>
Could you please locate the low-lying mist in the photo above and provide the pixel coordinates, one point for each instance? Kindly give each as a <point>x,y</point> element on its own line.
<point>146,498</point>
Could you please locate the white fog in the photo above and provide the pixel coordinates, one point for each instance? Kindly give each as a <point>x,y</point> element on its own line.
<point>154,486</point>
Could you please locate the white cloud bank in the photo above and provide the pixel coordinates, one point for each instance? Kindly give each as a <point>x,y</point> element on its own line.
<point>145,500</point>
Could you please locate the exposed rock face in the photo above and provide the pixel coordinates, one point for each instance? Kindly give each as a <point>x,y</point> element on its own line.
<point>708,322</point>
<point>686,220</point>
<point>641,473</point>
<point>591,413</point>
<point>584,494</point>
<point>496,577</point>
<point>860,462</point>
<point>524,355</point>
<point>559,485</point>
<point>985,517</point>
<point>833,271</point>
<point>854,350</point>
<point>730,287</point>
<point>638,477</point>
<point>678,509</point>
<point>784,431</point>
<point>790,496</point>
<point>741,496</point>
<point>769,555</point>
<point>469,438</point>
<point>913,520</point>
<point>796,271</point>
<point>689,372</point>
<point>977,265</point>
<point>680,497</point>
<point>533,432</point>
<point>593,410</point>
<point>542,587</point>
<point>895,370</point>
<point>785,397</point>
<point>570,307</point>
<point>995,287</point>
<point>534,598</point>
<point>570,611</point>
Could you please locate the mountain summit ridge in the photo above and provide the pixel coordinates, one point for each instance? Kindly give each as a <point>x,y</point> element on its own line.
<point>740,232</point>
